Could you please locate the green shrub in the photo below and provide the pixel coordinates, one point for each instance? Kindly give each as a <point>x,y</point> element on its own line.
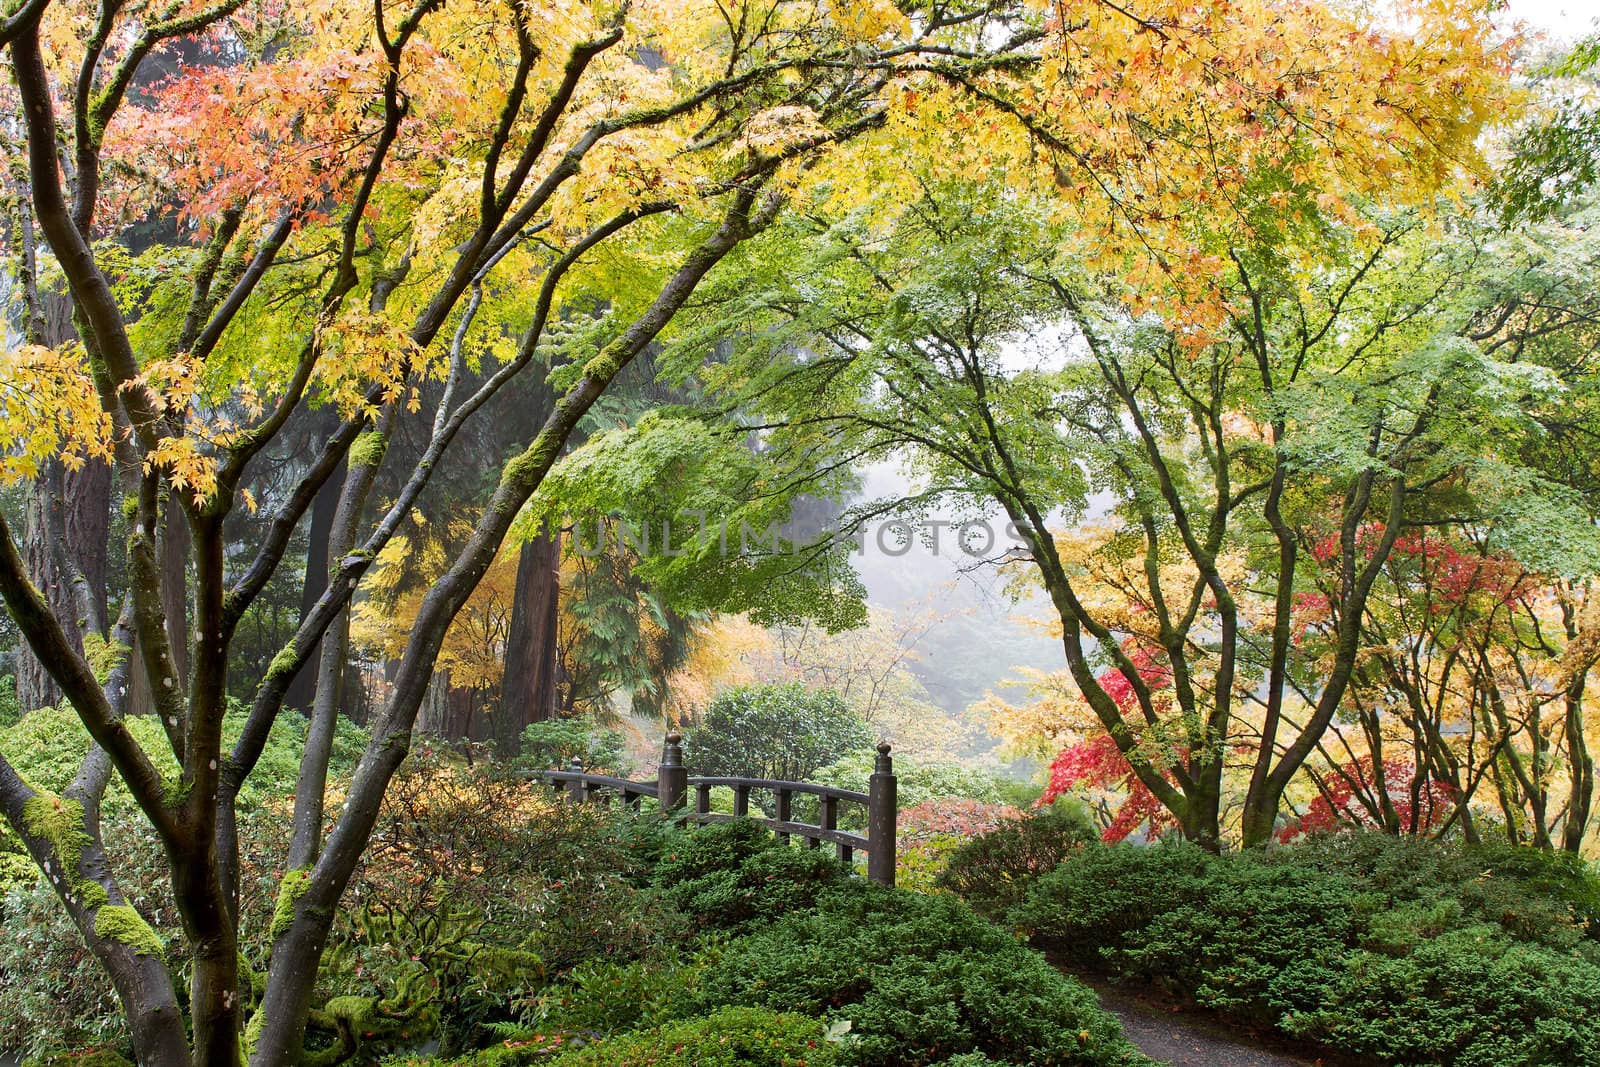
<point>1395,950</point>
<point>1258,941</point>
<point>731,875</point>
<point>732,1037</point>
<point>1097,899</point>
<point>602,997</point>
<point>1551,897</point>
<point>772,731</point>
<point>1467,997</point>
<point>549,886</point>
<point>97,1057</point>
<point>10,706</point>
<point>517,1050</point>
<point>992,871</point>
<point>555,743</point>
<point>919,979</point>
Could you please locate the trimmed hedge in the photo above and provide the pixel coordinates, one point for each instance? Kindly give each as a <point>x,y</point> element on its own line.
<point>1401,951</point>
<point>919,979</point>
<point>992,871</point>
<point>910,980</point>
<point>735,875</point>
<point>733,1037</point>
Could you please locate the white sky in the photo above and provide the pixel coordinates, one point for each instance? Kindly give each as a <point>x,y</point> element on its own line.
<point>1561,19</point>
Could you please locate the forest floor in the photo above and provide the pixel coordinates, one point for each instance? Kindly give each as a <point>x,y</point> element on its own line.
<point>1186,1036</point>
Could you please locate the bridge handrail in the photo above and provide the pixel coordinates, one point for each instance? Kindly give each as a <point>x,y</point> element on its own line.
<point>672,787</point>
<point>776,786</point>
<point>648,789</point>
<point>843,838</point>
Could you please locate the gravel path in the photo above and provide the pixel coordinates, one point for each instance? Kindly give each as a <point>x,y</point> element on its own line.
<point>1182,1038</point>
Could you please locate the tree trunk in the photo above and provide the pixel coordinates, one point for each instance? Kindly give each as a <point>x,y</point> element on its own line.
<point>48,323</point>
<point>215,1009</point>
<point>528,687</point>
<point>88,531</point>
<point>328,679</point>
<point>65,547</point>
<point>173,554</point>
<point>1202,816</point>
<point>458,704</point>
<point>35,687</point>
<point>432,717</point>
<point>176,544</point>
<point>302,691</point>
<point>1580,764</point>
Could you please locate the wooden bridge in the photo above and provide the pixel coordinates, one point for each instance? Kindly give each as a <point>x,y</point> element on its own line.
<point>674,784</point>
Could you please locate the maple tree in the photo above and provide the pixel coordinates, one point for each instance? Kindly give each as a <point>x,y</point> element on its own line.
<point>1171,184</point>
<point>1392,795</point>
<point>1334,405</point>
<point>389,212</point>
<point>1475,669</point>
<point>392,213</point>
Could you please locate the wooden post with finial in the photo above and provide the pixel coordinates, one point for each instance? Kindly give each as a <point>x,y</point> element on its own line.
<point>882,814</point>
<point>673,782</point>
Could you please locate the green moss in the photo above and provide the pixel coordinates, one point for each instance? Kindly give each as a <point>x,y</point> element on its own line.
<point>532,461</point>
<point>257,980</point>
<point>91,894</point>
<point>605,364</point>
<point>282,664</point>
<point>367,449</point>
<point>353,1010</point>
<point>295,882</point>
<point>120,922</point>
<point>102,655</point>
<point>252,1032</point>
<point>499,967</point>
<point>59,822</point>
<point>99,1057</point>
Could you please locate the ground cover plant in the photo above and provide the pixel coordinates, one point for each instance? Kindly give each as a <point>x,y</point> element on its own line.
<point>1391,949</point>
<point>585,935</point>
<point>791,956</point>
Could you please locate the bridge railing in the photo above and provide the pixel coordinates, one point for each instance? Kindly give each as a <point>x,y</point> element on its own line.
<point>672,787</point>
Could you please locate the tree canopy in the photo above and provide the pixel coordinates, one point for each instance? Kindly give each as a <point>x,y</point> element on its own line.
<point>379,303</point>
